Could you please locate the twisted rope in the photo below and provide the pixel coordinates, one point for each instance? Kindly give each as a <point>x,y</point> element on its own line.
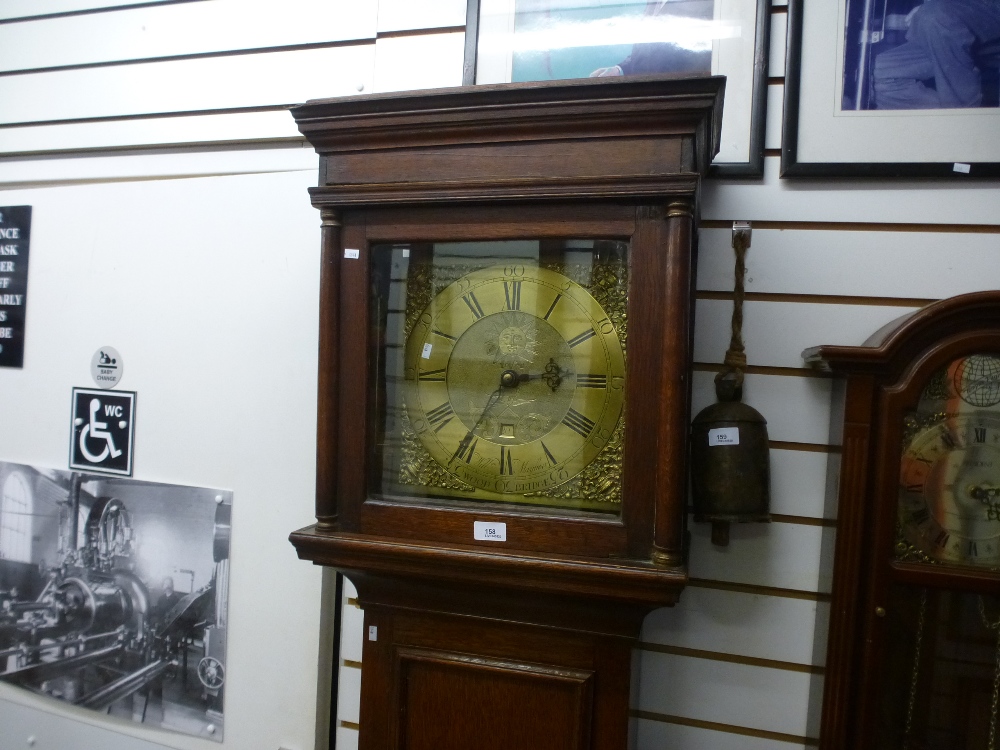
<point>729,381</point>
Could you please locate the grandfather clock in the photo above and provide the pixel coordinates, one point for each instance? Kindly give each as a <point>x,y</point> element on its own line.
<point>913,661</point>
<point>505,336</point>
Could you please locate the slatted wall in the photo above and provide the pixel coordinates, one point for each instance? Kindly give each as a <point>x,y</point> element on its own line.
<point>151,90</point>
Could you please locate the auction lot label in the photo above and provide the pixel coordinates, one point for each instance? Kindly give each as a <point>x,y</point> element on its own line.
<point>15,233</point>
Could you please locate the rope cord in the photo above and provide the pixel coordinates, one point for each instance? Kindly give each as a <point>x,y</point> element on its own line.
<point>729,381</point>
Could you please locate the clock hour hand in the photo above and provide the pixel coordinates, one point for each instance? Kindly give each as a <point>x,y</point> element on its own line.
<point>552,375</point>
<point>989,497</point>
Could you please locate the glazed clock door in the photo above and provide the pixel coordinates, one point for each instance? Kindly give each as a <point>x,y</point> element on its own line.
<point>937,612</point>
<point>513,374</point>
<point>506,365</point>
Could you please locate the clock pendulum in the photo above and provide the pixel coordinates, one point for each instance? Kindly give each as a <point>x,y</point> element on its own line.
<point>995,700</point>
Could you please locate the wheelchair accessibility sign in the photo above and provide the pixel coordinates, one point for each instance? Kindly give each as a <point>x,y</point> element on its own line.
<point>103,431</point>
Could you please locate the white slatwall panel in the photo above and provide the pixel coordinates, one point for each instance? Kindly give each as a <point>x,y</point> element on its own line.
<point>405,15</point>
<point>712,620</point>
<point>772,132</point>
<point>659,735</point>
<point>776,53</point>
<point>921,265</point>
<point>347,739</point>
<point>351,644</point>
<point>22,8</point>
<point>349,694</point>
<point>774,199</point>
<point>351,632</point>
<point>245,127</point>
<point>798,484</point>
<point>277,75</point>
<point>775,333</point>
<point>188,85</point>
<point>775,700</point>
<point>784,555</point>
<point>419,62</point>
<point>185,29</point>
<point>26,172</point>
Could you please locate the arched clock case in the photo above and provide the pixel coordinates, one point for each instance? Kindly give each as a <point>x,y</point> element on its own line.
<point>914,648</point>
<point>505,336</point>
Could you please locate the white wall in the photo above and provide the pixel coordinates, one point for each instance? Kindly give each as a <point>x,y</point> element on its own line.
<point>210,245</point>
<point>208,288</point>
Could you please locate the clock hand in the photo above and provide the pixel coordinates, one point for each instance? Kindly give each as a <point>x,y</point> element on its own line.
<point>552,375</point>
<point>984,493</point>
<point>508,379</point>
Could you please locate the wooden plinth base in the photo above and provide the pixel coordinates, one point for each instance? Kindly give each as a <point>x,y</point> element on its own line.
<point>446,670</point>
<point>466,648</point>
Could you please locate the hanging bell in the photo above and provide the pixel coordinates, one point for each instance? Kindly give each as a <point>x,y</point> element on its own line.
<point>730,462</point>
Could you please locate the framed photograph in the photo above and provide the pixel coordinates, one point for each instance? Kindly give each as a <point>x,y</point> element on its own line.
<point>534,40</point>
<point>114,596</point>
<point>894,88</point>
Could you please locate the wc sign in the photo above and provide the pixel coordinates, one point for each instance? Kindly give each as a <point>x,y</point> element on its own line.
<point>103,431</point>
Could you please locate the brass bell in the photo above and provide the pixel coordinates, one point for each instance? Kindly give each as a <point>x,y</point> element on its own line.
<point>730,462</point>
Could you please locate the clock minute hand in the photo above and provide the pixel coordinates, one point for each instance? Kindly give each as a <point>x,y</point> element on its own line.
<point>508,379</point>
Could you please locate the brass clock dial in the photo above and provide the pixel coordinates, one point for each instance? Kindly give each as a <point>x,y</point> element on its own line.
<point>514,379</point>
<point>949,482</point>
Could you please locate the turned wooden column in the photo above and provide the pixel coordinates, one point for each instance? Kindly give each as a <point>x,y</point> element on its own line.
<point>671,480</point>
<point>327,423</point>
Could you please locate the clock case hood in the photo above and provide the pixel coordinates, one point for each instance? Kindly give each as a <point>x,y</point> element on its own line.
<point>598,156</point>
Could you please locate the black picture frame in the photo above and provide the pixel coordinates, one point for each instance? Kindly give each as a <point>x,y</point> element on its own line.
<point>813,63</point>
<point>756,78</point>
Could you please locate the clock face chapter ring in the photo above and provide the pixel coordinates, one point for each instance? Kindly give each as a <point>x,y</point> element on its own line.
<point>950,490</point>
<point>514,379</point>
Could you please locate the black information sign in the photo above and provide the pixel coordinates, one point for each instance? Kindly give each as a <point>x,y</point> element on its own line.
<point>103,431</point>
<point>15,231</point>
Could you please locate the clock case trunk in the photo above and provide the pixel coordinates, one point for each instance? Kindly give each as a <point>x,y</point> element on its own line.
<point>876,385</point>
<point>534,633</point>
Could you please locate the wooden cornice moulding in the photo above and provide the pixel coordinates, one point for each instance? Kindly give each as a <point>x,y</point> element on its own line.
<point>486,190</point>
<point>595,107</point>
<point>510,142</point>
<point>629,582</point>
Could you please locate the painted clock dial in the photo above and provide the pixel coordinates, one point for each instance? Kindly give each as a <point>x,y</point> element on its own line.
<point>949,482</point>
<point>515,379</point>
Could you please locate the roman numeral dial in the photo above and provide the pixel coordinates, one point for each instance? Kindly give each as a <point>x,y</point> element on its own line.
<point>515,382</point>
<point>949,490</point>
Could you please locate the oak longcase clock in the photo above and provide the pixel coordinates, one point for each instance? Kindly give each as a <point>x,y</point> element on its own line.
<point>914,655</point>
<point>505,335</point>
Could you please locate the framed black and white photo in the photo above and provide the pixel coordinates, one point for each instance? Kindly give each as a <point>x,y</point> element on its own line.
<point>114,595</point>
<point>894,88</point>
<point>535,40</point>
